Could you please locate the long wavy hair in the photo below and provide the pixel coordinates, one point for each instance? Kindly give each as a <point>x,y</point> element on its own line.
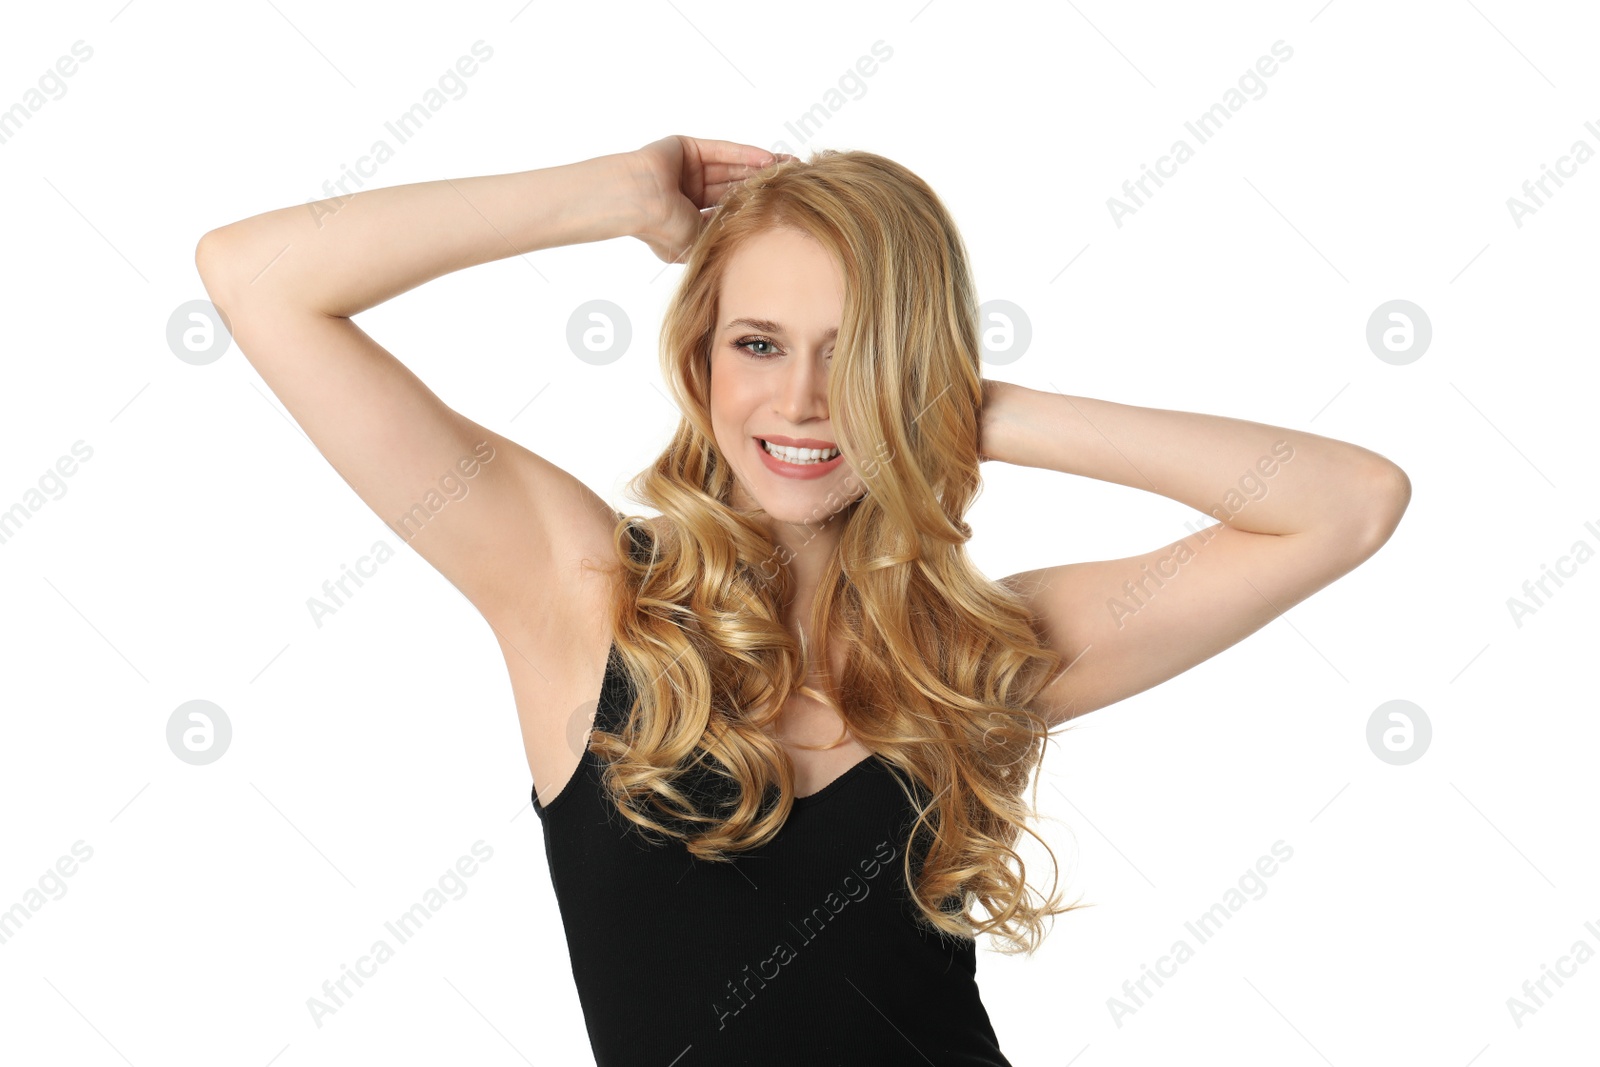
<point>942,664</point>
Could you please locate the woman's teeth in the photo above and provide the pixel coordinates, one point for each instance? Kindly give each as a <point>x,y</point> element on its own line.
<point>800,455</point>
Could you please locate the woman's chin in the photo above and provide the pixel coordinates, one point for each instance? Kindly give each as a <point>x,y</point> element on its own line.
<point>805,509</point>
<point>799,503</point>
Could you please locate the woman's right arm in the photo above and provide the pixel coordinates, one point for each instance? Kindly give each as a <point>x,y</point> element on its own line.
<point>289,280</point>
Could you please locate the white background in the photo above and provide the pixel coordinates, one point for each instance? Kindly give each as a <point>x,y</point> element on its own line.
<point>370,753</point>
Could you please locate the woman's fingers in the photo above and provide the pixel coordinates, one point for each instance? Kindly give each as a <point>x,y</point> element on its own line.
<point>703,170</point>
<point>731,153</point>
<point>718,178</point>
<point>715,191</point>
<point>724,162</point>
<point>723,173</point>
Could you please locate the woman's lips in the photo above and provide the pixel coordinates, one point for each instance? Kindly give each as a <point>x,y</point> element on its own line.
<point>802,471</point>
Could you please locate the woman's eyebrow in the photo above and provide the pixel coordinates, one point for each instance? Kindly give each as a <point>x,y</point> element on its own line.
<point>768,326</point>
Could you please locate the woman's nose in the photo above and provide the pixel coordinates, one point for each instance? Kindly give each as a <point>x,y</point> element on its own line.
<point>803,392</point>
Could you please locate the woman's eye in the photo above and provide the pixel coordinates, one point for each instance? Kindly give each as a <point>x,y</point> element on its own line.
<point>748,341</point>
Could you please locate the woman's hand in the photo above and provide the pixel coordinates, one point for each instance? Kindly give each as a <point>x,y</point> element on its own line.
<point>680,177</point>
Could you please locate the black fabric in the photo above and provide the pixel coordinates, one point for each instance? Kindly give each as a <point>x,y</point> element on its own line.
<point>801,952</point>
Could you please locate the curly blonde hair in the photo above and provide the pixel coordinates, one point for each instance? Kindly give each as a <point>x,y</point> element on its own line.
<point>942,664</point>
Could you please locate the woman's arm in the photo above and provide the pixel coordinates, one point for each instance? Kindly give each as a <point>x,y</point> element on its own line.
<point>477,506</point>
<point>503,524</point>
<point>345,255</point>
<point>1296,511</point>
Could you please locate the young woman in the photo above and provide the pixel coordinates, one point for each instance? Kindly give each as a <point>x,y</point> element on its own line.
<point>816,721</point>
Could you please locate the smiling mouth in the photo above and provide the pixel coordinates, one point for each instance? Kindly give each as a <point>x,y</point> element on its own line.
<point>798,456</point>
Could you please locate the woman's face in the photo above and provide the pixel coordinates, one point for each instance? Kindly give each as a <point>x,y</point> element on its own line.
<point>778,315</point>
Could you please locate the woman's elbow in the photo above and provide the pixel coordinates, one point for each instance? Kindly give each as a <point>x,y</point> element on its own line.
<point>1385,495</point>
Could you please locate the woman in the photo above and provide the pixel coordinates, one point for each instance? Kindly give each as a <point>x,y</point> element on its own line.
<point>816,720</point>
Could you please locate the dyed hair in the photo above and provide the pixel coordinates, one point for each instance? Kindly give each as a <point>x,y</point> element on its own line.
<point>942,663</point>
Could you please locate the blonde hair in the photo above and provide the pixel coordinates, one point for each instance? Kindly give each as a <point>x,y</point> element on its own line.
<point>942,664</point>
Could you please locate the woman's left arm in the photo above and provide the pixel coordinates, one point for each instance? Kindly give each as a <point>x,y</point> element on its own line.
<point>1296,511</point>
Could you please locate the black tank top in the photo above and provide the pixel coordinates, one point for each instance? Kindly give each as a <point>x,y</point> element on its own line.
<point>800,952</point>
